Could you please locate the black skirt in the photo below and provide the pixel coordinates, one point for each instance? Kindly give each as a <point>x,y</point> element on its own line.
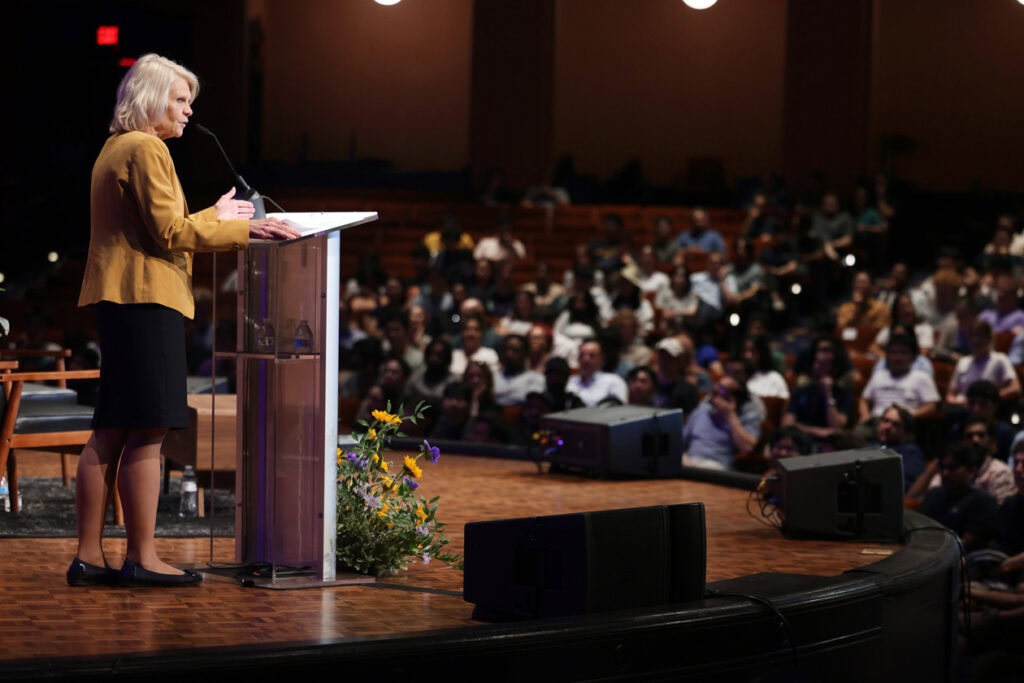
<point>143,369</point>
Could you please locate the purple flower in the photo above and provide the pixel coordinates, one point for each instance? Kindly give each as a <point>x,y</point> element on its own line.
<point>434,451</point>
<point>412,483</point>
<point>356,460</point>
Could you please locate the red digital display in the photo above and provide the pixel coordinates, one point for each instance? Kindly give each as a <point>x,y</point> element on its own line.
<point>107,35</point>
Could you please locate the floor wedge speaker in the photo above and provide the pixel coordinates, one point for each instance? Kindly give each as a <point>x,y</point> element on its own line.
<point>584,563</point>
<point>628,440</point>
<point>855,494</point>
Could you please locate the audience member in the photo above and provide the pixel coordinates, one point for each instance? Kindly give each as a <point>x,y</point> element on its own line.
<point>896,430</point>
<point>580,320</point>
<point>419,332</point>
<point>640,383</point>
<point>650,277</point>
<point>481,284</point>
<point>701,237</point>
<point>715,287</point>
<point>449,235</point>
<point>394,375</point>
<point>480,380</point>
<point>501,247</point>
<point>760,220</point>
<point>982,363</point>
<point>624,294</point>
<point>829,236</point>
<point>862,310</point>
<point>679,303</point>
<point>435,296</point>
<point>765,379</point>
<point>513,380</point>
<point>540,343</point>
<point>664,244</point>
<point>556,381</point>
<point>898,383</point>
<point>397,343</point>
<point>549,298</point>
<point>634,351</point>
<point>609,250</point>
<point>752,293</point>
<point>377,397</point>
<point>724,426</point>
<point>593,385</point>
<point>471,345</point>
<point>903,312</point>
<point>674,386</point>
<point>502,298</point>
<point>364,364</point>
<point>821,406</point>
<point>452,423</point>
<point>892,285</point>
<point>455,256</point>
<point>521,319</point>
<point>921,361</point>
<point>957,504</point>
<point>1005,314</point>
<point>427,382</point>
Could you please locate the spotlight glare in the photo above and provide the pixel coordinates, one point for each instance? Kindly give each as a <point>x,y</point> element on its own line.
<point>52,257</point>
<point>699,4</point>
<point>796,288</point>
<point>734,319</point>
<point>849,260</point>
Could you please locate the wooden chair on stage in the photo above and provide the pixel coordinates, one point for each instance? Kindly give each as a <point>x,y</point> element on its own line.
<point>43,425</point>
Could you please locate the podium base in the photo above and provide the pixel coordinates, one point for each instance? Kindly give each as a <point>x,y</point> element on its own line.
<point>292,581</point>
<point>297,582</point>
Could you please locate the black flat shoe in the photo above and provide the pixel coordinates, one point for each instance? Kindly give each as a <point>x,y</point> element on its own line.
<point>84,574</point>
<point>134,576</point>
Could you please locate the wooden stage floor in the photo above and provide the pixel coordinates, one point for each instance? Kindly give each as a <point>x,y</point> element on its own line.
<point>46,626</point>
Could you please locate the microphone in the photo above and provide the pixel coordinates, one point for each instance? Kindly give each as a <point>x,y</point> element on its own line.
<point>244,190</point>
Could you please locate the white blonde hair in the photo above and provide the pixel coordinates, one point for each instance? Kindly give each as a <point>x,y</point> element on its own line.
<point>144,90</point>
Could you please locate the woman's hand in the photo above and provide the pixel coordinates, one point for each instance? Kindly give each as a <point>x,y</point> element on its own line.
<point>228,207</point>
<point>271,229</point>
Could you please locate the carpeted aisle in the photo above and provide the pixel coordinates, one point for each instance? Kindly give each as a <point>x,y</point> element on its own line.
<point>48,511</point>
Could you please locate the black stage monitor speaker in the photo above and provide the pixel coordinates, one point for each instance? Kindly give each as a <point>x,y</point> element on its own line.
<point>584,563</point>
<point>846,494</point>
<point>630,440</point>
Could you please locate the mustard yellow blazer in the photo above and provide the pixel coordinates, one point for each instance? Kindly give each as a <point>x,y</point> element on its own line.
<point>142,237</point>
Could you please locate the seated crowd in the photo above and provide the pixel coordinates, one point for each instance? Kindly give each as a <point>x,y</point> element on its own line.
<point>868,355</point>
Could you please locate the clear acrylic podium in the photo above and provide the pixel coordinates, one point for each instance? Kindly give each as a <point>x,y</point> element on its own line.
<point>287,432</point>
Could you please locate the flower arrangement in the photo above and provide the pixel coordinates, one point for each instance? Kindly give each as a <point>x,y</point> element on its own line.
<point>382,522</point>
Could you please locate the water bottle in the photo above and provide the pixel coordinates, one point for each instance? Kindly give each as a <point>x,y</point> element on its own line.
<point>189,503</point>
<point>265,337</point>
<point>5,496</point>
<point>303,342</point>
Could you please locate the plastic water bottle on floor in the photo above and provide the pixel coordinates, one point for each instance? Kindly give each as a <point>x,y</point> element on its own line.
<point>189,503</point>
<point>5,496</point>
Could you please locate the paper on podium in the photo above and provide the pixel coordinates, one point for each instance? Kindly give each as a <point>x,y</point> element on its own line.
<point>315,223</point>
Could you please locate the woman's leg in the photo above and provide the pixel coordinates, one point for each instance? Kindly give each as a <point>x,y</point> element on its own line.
<point>138,482</point>
<point>94,482</point>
